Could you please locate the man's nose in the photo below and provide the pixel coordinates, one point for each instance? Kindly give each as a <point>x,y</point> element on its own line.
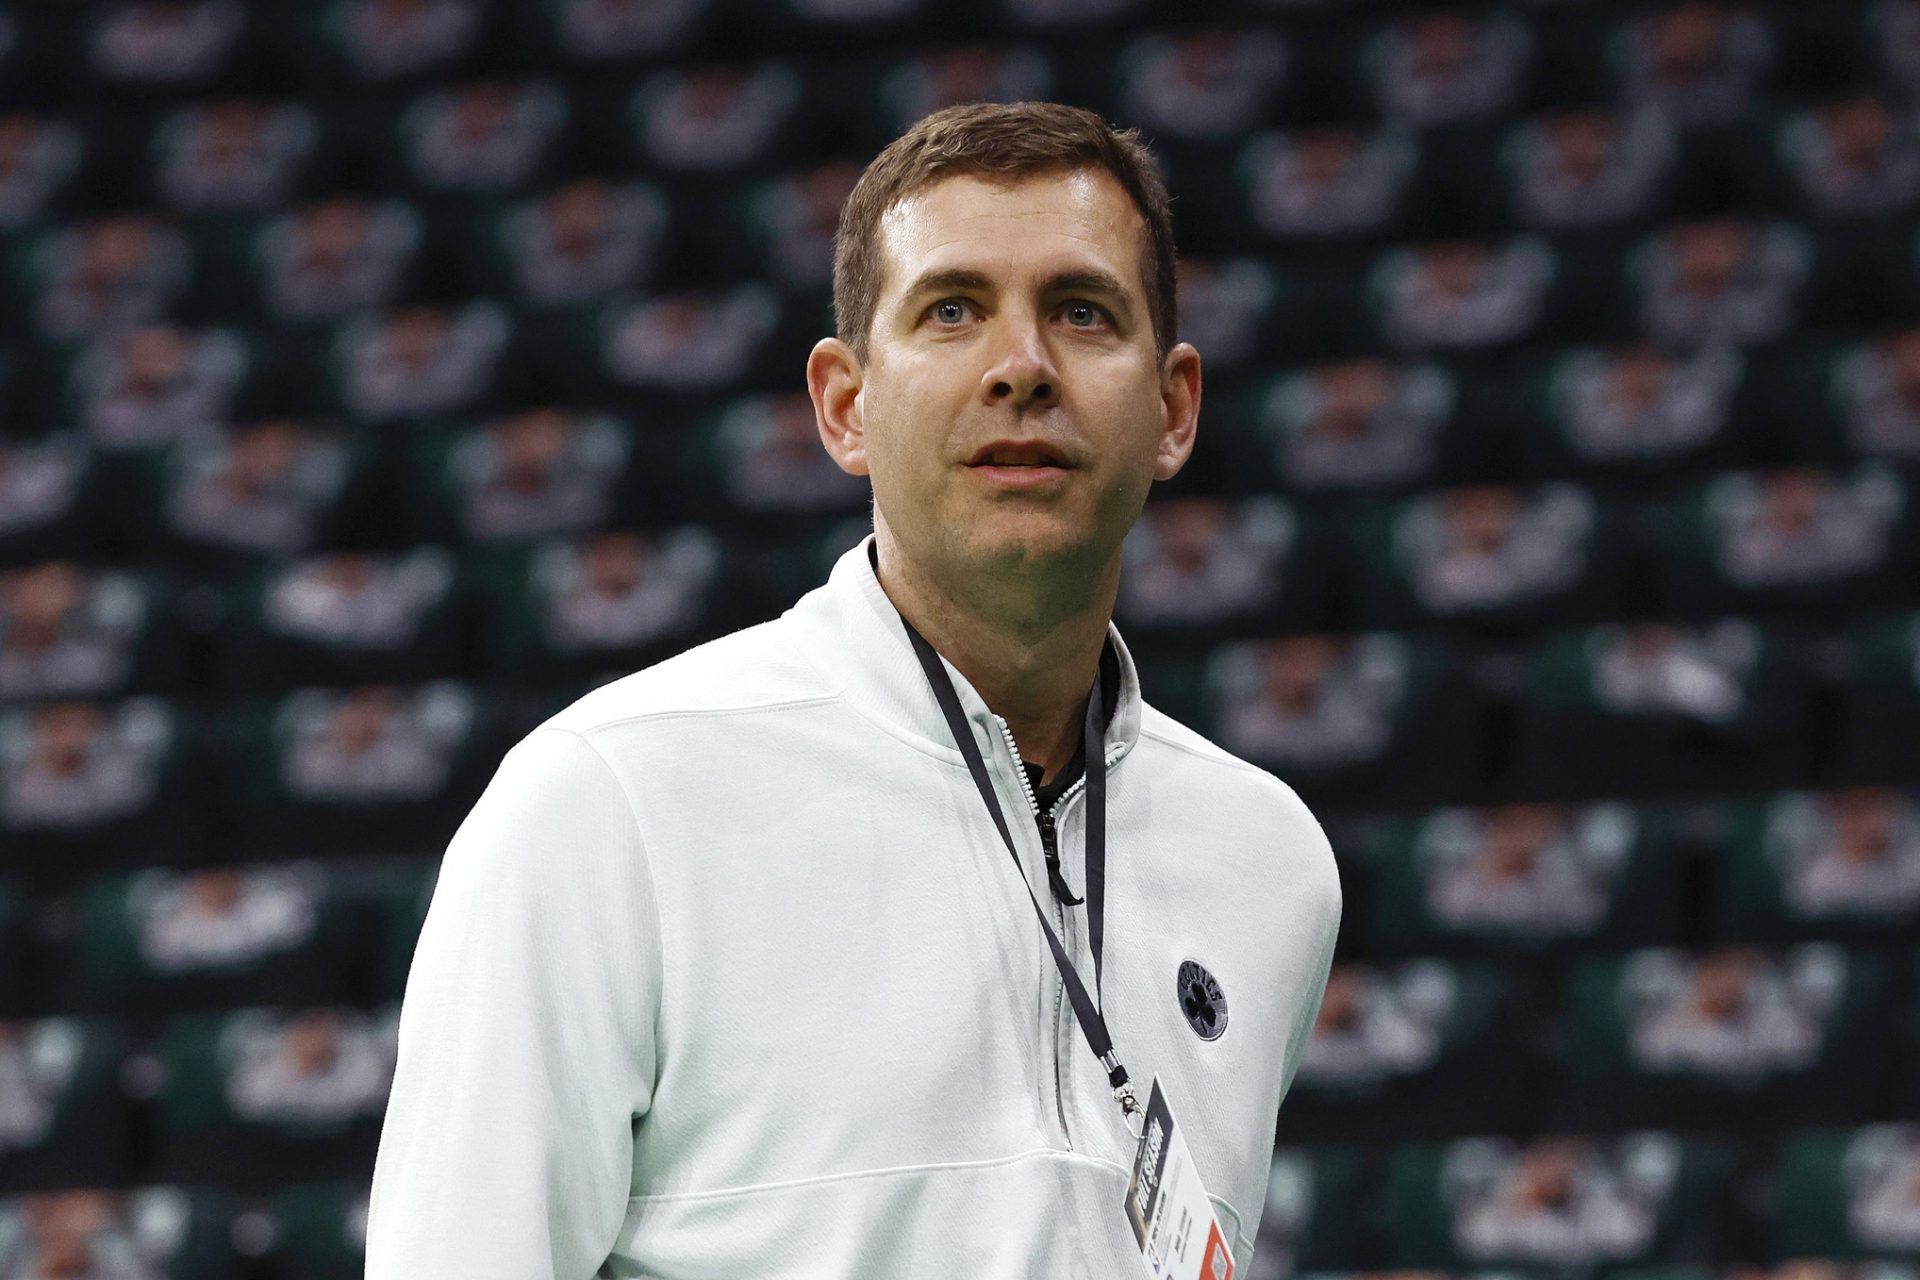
<point>1024,374</point>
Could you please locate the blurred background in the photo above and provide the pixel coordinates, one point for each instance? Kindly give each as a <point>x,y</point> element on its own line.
<point>378,376</point>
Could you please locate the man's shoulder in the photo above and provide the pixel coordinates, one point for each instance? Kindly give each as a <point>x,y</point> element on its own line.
<point>1263,823</point>
<point>1163,729</point>
<point>1219,771</point>
<point>756,668</point>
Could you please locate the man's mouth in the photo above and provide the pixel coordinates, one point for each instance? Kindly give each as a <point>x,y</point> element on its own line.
<point>1019,453</point>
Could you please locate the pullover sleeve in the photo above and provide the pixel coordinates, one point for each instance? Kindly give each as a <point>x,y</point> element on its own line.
<point>1322,903</point>
<point>527,1048</point>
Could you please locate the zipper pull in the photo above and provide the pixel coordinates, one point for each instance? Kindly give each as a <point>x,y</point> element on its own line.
<point>1054,878</point>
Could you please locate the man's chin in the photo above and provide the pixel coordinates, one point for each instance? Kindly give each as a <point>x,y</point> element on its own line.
<point>1022,541</point>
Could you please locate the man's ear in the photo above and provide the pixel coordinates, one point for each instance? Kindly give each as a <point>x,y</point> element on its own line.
<point>834,378</point>
<point>1180,400</point>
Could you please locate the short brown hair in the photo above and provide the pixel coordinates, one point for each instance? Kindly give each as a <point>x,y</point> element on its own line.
<point>1011,140</point>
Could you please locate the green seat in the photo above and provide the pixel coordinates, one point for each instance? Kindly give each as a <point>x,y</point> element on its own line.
<point>528,126</point>
<point>1662,1037</point>
<point>761,456</point>
<point>1521,880</point>
<point>456,360</point>
<point>113,635</point>
<point>15,909</point>
<point>1642,1198</point>
<point>1834,863</point>
<point>1517,287</point>
<point>624,225</point>
<point>1911,1100</point>
<point>1374,719</point>
<point>1844,547</point>
<point>108,391</point>
<point>1421,1048</point>
<point>343,43</point>
<point>320,1231</point>
<point>392,896</point>
<point>51,282</point>
<point>63,1119</point>
<point>165,1232</point>
<point>285,263</point>
<point>520,476</point>
<point>1205,568</point>
<point>86,786</point>
<point>1491,555</point>
<point>1359,425</point>
<point>164,941</point>
<point>260,1098</point>
<point>270,488</point>
<point>790,568</point>
<point>1633,411</point>
<point>611,600</point>
<point>373,768</point>
<point>348,618</point>
<point>787,223</point>
<point>1318,1211</point>
<point>1663,1273</point>
<point>1847,1193</point>
<point>1881,703</point>
<point>1657,707</point>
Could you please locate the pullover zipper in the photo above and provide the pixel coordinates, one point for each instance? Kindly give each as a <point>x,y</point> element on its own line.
<point>1062,893</point>
<point>1059,917</point>
<point>1049,845</point>
<point>1112,755</point>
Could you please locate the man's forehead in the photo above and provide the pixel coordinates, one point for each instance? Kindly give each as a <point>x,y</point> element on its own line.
<point>1051,221</point>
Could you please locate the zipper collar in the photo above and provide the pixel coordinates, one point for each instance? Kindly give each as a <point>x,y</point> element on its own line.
<point>1019,770</point>
<point>856,638</point>
<point>1113,753</point>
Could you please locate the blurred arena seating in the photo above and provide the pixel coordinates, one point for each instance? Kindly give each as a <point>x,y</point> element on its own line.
<point>377,376</point>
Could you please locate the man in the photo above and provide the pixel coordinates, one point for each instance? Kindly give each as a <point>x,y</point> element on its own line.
<point>729,972</point>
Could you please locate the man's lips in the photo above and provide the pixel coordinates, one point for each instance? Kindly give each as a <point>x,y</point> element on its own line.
<point>1019,453</point>
<point>1020,464</point>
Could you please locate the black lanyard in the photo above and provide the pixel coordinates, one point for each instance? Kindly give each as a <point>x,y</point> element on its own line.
<point>1092,1023</point>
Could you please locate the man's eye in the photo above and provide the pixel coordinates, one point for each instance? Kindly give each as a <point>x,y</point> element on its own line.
<point>1083,315</point>
<point>951,311</point>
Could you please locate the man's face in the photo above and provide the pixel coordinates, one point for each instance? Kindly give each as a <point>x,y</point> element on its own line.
<point>1014,315</point>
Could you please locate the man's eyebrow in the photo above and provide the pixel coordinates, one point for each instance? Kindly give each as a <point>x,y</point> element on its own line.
<point>1085,282</point>
<point>956,278</point>
<point>964,280</point>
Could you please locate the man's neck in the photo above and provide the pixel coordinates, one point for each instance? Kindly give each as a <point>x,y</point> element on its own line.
<point>1028,645</point>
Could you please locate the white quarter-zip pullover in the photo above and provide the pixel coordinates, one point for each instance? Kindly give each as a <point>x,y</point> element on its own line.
<point>728,976</point>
